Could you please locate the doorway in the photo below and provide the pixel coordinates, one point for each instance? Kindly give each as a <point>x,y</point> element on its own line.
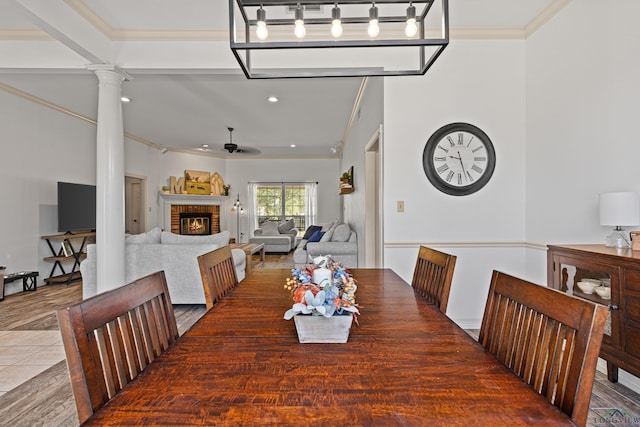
<point>134,202</point>
<point>373,231</point>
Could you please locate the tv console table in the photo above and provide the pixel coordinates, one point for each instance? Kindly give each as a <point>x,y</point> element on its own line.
<point>621,341</point>
<point>74,252</point>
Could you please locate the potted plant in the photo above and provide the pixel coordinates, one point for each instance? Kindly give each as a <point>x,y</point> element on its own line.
<point>324,301</point>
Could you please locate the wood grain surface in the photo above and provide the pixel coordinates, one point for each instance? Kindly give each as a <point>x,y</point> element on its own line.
<point>405,364</point>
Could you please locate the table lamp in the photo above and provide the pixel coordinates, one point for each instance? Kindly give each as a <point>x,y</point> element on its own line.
<point>619,209</point>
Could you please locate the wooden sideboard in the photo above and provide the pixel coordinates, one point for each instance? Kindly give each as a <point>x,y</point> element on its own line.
<point>568,264</point>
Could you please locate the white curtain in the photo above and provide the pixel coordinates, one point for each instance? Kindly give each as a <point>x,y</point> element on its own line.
<point>311,205</point>
<point>252,202</point>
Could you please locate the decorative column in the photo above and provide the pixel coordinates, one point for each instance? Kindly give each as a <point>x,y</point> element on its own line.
<point>110,225</point>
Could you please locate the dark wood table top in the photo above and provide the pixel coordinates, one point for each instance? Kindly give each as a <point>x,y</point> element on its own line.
<point>405,364</point>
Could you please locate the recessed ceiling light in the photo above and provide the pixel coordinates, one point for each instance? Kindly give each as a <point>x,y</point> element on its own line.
<point>205,145</point>
<point>125,99</point>
<point>273,99</point>
<point>293,146</point>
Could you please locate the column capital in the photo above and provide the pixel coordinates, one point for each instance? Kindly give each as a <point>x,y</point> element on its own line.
<point>109,67</point>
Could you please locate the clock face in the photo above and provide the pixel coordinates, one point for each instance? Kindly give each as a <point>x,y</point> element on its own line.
<point>459,159</point>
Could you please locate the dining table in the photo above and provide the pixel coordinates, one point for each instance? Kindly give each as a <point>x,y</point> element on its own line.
<point>405,364</point>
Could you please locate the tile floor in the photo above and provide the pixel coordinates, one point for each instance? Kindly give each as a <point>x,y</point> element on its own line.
<point>25,354</point>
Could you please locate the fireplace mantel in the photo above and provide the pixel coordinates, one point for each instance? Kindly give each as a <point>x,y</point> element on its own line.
<point>167,200</point>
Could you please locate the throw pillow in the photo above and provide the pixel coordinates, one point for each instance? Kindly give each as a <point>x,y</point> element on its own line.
<point>327,225</point>
<point>269,228</point>
<point>341,233</point>
<point>327,236</point>
<point>315,237</point>
<point>286,226</point>
<point>312,229</point>
<point>150,237</point>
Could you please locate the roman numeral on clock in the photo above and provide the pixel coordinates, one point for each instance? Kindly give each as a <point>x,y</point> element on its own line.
<point>476,168</point>
<point>443,168</point>
<point>450,176</point>
<point>451,141</point>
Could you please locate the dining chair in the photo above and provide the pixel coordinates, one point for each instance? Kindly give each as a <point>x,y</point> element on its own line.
<point>432,276</point>
<point>111,337</point>
<point>548,338</point>
<point>218,274</point>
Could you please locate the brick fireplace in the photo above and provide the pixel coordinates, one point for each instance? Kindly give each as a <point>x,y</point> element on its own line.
<point>195,219</point>
<point>172,205</point>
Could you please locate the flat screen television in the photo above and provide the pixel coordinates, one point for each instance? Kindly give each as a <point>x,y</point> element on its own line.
<point>76,207</point>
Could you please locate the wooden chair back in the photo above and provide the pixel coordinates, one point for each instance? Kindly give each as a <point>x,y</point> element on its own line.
<point>548,338</point>
<point>218,274</point>
<point>432,276</point>
<point>111,337</point>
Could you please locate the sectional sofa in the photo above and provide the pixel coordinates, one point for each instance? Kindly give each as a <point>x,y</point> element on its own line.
<point>177,255</point>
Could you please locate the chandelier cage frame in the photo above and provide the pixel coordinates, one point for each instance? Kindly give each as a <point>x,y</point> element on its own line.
<point>425,47</point>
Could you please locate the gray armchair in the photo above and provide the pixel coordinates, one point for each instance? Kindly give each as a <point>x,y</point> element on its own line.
<point>277,237</point>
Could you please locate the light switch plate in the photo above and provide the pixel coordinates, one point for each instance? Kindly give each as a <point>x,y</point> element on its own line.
<point>400,205</point>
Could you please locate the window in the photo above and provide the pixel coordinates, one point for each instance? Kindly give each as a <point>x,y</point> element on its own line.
<point>282,201</point>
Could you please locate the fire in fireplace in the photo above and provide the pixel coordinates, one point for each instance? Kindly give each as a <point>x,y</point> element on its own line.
<point>195,223</point>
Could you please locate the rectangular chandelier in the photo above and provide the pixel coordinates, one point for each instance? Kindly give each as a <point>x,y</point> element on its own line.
<point>345,38</point>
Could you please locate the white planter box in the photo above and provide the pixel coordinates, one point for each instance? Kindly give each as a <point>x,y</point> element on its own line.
<point>320,329</point>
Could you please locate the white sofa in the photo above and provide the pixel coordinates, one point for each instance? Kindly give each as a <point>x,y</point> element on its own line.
<point>337,240</point>
<point>158,250</point>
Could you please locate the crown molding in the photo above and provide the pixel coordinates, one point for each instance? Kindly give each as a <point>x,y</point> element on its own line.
<point>91,17</point>
<point>80,7</point>
<point>545,16</point>
<point>19,93</point>
<point>23,34</point>
<point>487,33</point>
<point>170,35</point>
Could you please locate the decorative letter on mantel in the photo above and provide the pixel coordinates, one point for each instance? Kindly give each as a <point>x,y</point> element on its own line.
<point>198,183</point>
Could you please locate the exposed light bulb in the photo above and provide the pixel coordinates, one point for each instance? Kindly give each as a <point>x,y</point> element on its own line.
<point>299,30</point>
<point>374,28</point>
<point>261,31</point>
<point>411,29</point>
<point>336,24</point>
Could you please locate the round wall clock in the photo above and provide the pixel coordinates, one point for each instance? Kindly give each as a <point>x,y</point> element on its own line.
<point>459,159</point>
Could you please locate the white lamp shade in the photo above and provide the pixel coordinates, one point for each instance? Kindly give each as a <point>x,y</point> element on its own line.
<point>620,209</point>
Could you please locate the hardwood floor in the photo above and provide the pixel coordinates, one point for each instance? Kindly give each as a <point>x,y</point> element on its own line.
<point>47,399</point>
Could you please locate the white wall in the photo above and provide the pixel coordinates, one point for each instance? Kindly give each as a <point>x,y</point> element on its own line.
<point>583,98</point>
<point>324,171</point>
<point>482,83</point>
<point>38,148</point>
<point>367,122</point>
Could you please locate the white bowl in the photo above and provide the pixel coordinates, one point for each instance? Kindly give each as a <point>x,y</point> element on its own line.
<point>596,281</point>
<point>604,292</point>
<point>587,287</point>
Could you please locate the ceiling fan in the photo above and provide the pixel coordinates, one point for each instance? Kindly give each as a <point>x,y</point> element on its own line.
<point>231,148</point>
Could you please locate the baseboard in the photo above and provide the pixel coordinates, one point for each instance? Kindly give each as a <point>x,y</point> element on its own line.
<point>468,323</point>
<point>625,378</point>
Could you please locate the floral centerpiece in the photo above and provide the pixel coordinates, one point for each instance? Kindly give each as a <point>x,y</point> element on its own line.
<point>325,288</point>
<point>324,301</point>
